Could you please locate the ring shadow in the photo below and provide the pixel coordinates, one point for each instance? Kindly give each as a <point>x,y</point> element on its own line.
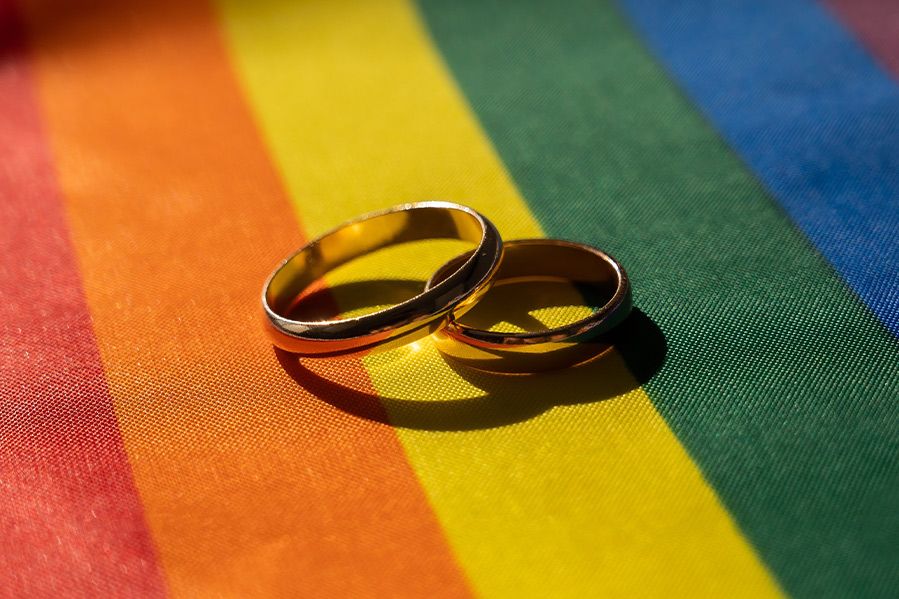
<point>638,343</point>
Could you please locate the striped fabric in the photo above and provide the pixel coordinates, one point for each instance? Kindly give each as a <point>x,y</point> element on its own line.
<point>740,158</point>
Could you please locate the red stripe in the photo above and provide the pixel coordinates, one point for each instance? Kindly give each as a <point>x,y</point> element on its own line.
<point>876,24</point>
<point>71,522</point>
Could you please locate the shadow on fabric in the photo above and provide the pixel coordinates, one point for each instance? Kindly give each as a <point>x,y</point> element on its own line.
<point>503,399</point>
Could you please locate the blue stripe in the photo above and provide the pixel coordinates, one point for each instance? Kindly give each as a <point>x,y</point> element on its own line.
<point>808,110</point>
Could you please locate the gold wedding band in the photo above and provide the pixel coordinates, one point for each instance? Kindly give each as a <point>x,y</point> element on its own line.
<point>458,290</point>
<point>530,352</point>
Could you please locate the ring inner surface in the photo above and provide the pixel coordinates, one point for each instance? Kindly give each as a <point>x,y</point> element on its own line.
<point>590,272</point>
<point>362,237</point>
<point>575,265</point>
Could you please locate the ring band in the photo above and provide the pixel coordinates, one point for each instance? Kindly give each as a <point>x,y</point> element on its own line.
<point>402,323</point>
<point>530,352</point>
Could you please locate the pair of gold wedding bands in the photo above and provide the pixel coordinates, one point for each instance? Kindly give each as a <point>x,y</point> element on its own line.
<point>451,292</point>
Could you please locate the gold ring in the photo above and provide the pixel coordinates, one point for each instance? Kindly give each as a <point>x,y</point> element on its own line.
<point>530,352</point>
<point>403,323</point>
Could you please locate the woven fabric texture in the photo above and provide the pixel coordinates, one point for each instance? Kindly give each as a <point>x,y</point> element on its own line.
<point>158,158</point>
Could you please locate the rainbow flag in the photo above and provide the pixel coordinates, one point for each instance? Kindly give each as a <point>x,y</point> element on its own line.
<point>740,158</point>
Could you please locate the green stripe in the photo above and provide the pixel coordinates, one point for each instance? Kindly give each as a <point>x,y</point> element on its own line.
<point>777,380</point>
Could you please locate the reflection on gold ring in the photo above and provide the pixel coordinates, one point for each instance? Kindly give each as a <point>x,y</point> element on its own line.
<point>396,325</point>
<point>535,262</point>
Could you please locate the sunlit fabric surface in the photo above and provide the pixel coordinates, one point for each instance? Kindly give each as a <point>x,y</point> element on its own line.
<point>158,158</point>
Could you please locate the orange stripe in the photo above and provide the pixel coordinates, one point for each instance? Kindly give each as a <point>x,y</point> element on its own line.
<point>71,521</point>
<point>250,485</point>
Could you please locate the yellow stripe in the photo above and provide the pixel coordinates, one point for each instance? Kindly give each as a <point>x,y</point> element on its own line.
<point>584,498</point>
